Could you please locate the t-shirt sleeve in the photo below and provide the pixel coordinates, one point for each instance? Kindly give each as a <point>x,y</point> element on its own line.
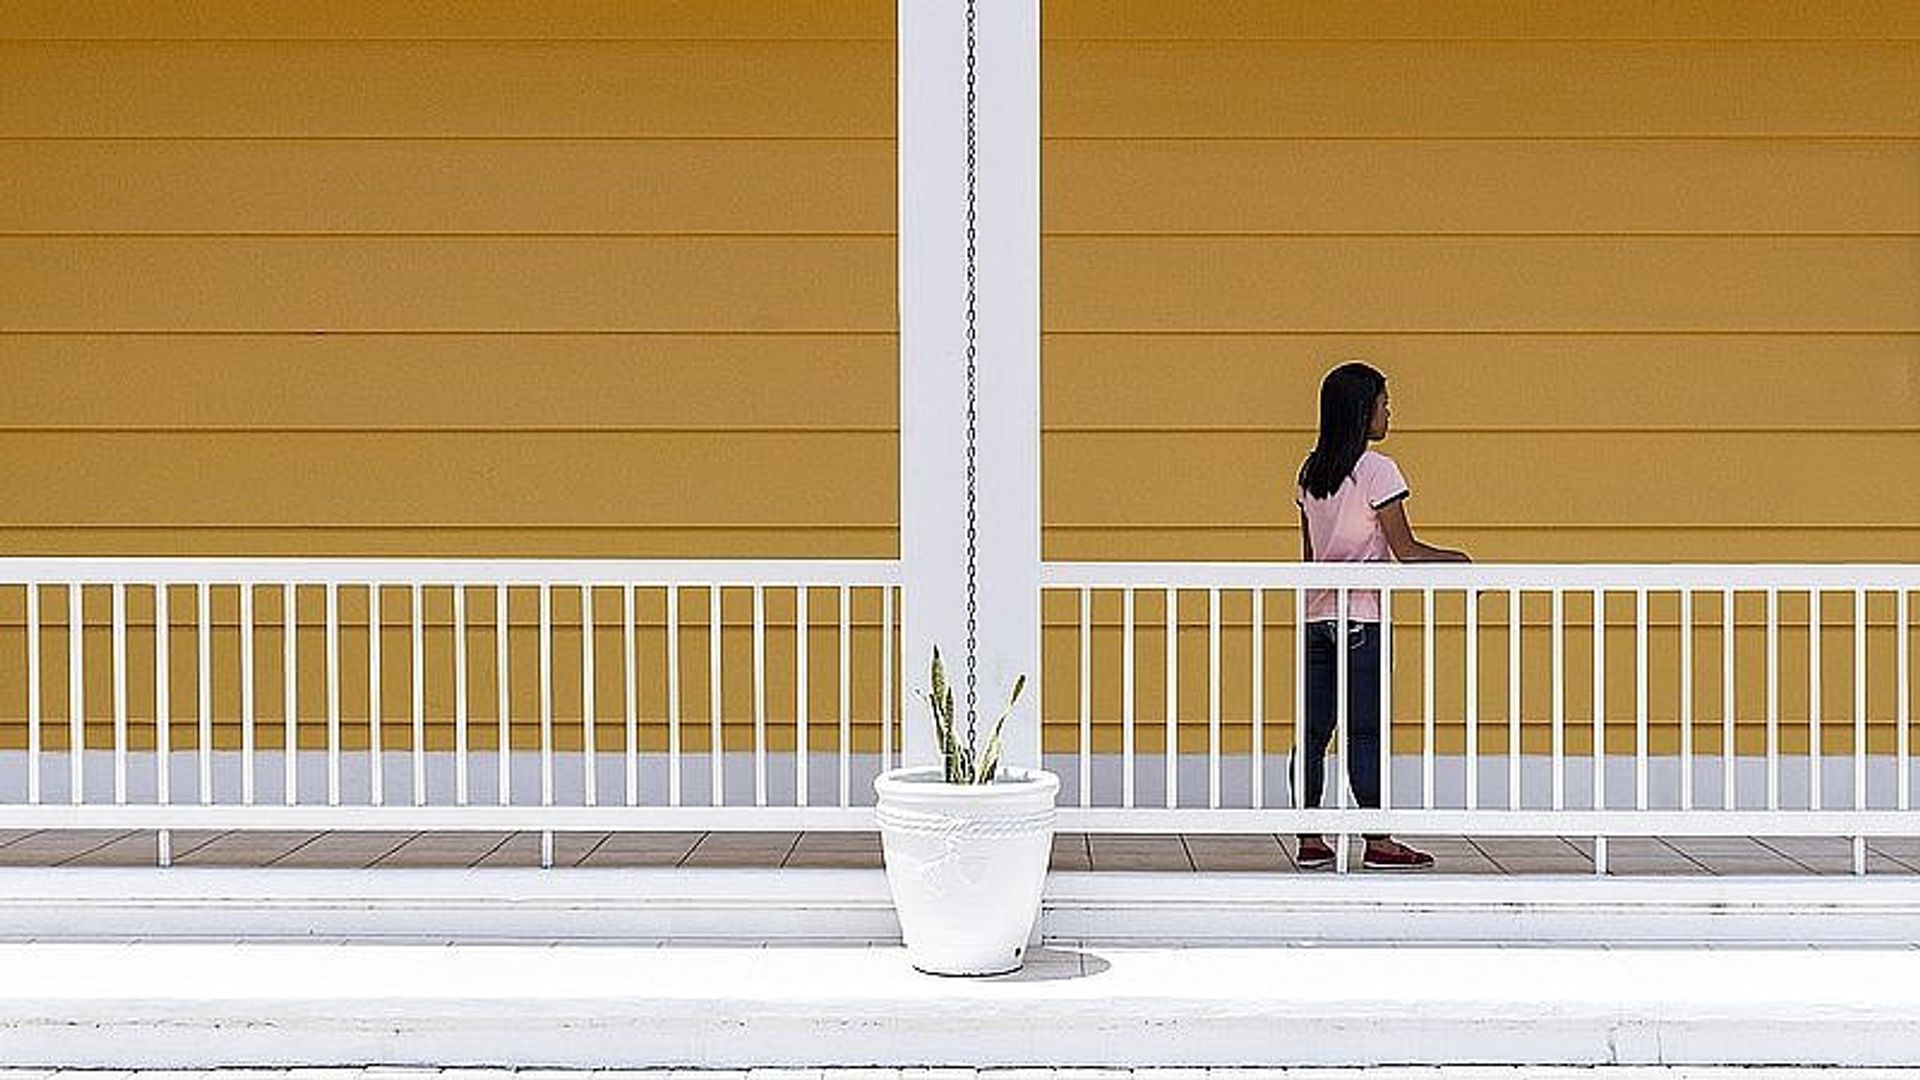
<point>1385,485</point>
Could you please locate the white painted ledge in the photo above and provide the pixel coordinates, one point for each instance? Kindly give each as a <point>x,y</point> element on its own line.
<point>1266,909</point>
<point>446,905</point>
<point>200,1005</point>
<point>837,906</point>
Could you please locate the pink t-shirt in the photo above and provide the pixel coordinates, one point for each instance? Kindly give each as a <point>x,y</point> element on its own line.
<point>1345,527</point>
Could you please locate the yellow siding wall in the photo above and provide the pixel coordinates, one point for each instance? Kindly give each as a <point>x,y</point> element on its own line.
<point>358,278</point>
<point>582,279</point>
<point>1645,279</point>
<point>618,279</point>
<point>1668,261</point>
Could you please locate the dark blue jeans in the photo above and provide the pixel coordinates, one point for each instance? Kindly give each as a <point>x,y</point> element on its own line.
<point>1363,709</point>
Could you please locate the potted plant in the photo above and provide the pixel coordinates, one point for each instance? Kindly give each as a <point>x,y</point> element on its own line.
<point>966,843</point>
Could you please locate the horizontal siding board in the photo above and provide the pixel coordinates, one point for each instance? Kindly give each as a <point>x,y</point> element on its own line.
<point>1480,19</point>
<point>1792,382</point>
<point>845,284</point>
<point>525,540</point>
<point>1090,89</point>
<point>847,185</point>
<point>1490,284</point>
<point>545,88</point>
<point>1487,477</point>
<point>822,185</point>
<point>1507,185</point>
<point>1758,541</point>
<point>1748,542</point>
<point>1544,381</point>
<point>448,284</point>
<point>439,19</point>
<point>1438,88</point>
<point>456,381</point>
<point>1735,543</point>
<point>1471,19</point>
<point>606,481</point>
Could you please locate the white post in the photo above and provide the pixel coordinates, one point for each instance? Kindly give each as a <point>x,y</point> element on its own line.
<point>933,326</point>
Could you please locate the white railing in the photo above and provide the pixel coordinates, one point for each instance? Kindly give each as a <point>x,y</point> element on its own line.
<point>629,734</point>
<point>1624,700</point>
<point>1118,775</point>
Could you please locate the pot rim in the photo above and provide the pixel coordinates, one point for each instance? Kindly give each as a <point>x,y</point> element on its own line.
<point>922,778</point>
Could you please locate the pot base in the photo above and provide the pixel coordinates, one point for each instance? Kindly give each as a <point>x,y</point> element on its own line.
<point>945,974</point>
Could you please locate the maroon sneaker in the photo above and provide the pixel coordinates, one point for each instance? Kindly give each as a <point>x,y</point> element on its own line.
<point>1394,855</point>
<point>1314,854</point>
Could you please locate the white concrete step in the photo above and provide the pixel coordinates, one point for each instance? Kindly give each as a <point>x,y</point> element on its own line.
<point>851,906</point>
<point>192,1005</point>
<point>991,1073</point>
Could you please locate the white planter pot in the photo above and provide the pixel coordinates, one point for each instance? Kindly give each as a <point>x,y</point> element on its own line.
<point>966,863</point>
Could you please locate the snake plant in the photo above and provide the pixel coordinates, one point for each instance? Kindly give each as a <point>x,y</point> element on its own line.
<point>962,764</point>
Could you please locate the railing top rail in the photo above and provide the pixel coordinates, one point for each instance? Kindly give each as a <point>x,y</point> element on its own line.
<point>1531,576</point>
<point>876,572</point>
<point>297,571</point>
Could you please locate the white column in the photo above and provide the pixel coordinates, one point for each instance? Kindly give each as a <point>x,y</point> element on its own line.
<point>933,419</point>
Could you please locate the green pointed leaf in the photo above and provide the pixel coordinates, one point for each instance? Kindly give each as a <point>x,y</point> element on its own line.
<point>939,678</point>
<point>990,762</point>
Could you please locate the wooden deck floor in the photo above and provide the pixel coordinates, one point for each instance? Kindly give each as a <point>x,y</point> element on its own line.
<point>1699,856</point>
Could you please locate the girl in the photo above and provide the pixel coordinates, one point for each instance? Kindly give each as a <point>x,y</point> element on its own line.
<point>1351,510</point>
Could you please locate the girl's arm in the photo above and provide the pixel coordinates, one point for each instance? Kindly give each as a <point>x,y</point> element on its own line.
<point>1393,520</point>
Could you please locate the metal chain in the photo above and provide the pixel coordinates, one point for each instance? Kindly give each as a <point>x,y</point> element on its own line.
<point>973,401</point>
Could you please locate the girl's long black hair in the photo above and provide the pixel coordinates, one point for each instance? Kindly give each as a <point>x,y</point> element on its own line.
<point>1346,413</point>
